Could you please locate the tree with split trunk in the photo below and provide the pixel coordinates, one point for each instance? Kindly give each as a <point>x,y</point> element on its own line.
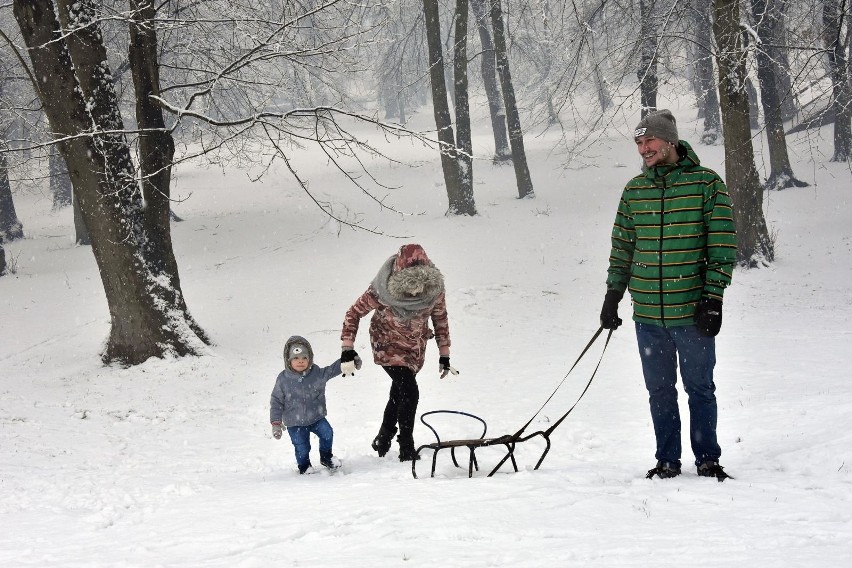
<point>460,202</point>
<point>754,245</point>
<point>513,119</point>
<point>147,311</point>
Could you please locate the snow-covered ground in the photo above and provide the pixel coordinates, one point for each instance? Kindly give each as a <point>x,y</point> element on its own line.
<point>172,464</point>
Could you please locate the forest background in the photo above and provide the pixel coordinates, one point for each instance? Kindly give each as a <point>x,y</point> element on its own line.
<point>329,133</point>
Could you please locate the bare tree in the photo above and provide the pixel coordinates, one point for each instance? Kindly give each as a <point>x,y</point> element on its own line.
<point>836,39</point>
<point>648,48</point>
<point>488,69</point>
<point>708,97</point>
<point>464,145</point>
<point>81,105</point>
<point>441,108</point>
<point>516,134</point>
<point>769,21</point>
<point>753,243</point>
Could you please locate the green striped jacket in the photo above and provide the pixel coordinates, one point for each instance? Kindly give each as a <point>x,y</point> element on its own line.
<point>673,241</point>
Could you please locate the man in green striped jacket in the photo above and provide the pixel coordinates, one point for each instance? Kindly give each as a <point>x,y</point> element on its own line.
<point>674,250</point>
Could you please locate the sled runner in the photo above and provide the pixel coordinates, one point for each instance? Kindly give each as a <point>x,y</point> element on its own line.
<point>509,441</point>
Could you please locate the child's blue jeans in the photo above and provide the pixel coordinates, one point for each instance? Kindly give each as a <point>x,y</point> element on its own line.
<point>301,438</point>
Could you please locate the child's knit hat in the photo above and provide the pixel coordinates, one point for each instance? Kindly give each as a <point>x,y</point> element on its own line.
<point>299,350</point>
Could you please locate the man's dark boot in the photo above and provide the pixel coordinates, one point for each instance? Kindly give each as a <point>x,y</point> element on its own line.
<point>382,441</point>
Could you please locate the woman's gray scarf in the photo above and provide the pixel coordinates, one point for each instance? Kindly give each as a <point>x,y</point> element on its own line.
<point>391,287</point>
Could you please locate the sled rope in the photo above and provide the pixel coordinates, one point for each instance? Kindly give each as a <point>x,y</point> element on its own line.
<point>588,384</point>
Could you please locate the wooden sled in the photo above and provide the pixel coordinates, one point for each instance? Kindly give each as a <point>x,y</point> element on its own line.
<point>510,441</point>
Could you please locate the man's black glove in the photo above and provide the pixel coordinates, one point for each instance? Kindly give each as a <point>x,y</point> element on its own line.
<point>349,362</point>
<point>609,311</point>
<point>708,316</point>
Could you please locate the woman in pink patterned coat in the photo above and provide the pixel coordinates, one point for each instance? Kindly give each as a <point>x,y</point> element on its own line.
<point>407,292</point>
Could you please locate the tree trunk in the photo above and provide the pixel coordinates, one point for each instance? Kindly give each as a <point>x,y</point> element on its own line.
<point>516,134</point>
<point>81,234</point>
<point>768,22</point>
<point>2,258</point>
<point>78,99</point>
<point>156,151</point>
<point>440,106</point>
<point>60,183</point>
<point>10,227</point>
<point>753,243</point>
<point>841,100</point>
<point>466,204</point>
<point>648,47</point>
<point>708,103</point>
<point>488,68</point>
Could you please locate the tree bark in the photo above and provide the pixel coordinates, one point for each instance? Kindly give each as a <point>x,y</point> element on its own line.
<point>464,146</point>
<point>81,105</point>
<point>440,106</point>
<point>841,99</point>
<point>60,183</point>
<point>768,23</point>
<point>708,102</point>
<point>753,243</point>
<point>516,134</point>
<point>648,47</point>
<point>488,69</point>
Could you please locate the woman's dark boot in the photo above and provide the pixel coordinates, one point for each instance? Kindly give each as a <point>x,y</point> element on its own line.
<point>406,448</point>
<point>382,441</point>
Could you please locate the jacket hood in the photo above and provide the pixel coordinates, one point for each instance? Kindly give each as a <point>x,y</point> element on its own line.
<point>411,255</point>
<point>297,339</point>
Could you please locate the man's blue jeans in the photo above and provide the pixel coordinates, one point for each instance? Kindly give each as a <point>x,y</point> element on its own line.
<point>301,438</point>
<point>661,349</point>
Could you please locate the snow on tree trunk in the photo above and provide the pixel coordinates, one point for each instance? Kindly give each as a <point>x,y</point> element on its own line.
<point>79,99</point>
<point>465,204</point>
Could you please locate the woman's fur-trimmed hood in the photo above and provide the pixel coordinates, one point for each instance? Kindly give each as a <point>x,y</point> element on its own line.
<point>420,280</point>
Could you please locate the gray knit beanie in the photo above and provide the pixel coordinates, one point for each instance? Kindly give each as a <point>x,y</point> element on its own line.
<point>659,124</point>
<point>299,350</point>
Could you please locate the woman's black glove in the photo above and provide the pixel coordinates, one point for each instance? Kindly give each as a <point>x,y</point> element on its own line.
<point>609,311</point>
<point>349,362</point>
<point>444,367</point>
<point>708,317</point>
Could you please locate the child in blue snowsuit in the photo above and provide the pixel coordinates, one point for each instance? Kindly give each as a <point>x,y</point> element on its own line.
<point>298,403</point>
